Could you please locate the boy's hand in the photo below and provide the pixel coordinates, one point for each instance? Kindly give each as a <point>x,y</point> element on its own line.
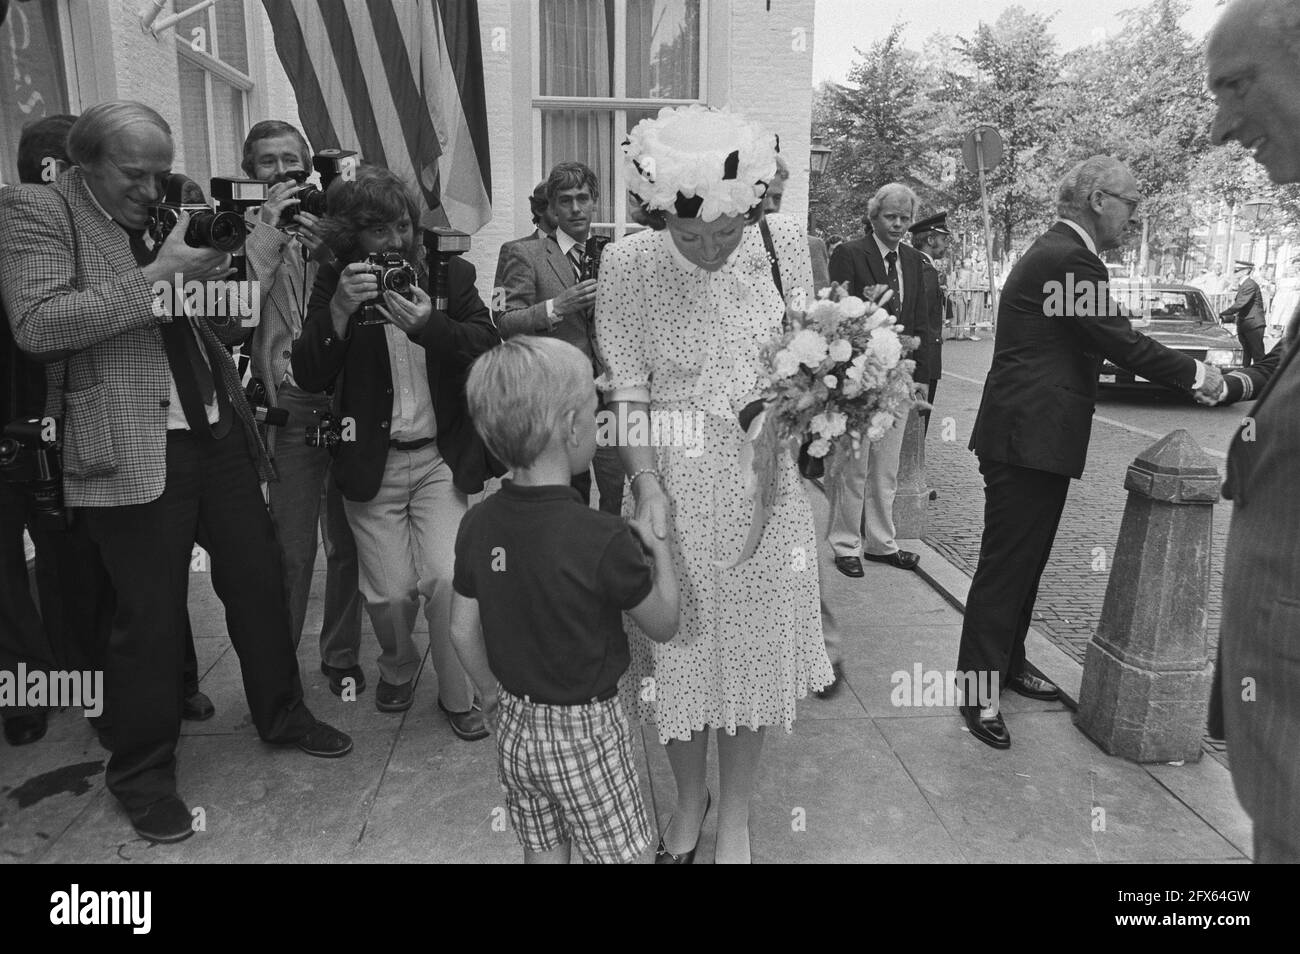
<point>491,705</point>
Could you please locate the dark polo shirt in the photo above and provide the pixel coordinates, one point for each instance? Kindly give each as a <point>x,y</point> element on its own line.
<point>552,578</point>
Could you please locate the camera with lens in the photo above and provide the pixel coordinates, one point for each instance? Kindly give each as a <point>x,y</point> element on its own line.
<point>30,461</point>
<point>393,273</point>
<point>330,164</point>
<point>238,196</point>
<point>263,412</point>
<point>591,261</point>
<point>224,231</point>
<point>327,432</point>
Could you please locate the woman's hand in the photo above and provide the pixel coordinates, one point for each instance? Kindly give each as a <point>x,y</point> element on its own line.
<point>409,316</point>
<point>652,511</point>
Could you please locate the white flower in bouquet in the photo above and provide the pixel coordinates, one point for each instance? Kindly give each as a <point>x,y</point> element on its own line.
<point>852,307</point>
<point>819,448</point>
<point>881,422</point>
<point>809,347</point>
<point>851,389</point>
<point>879,319</point>
<point>856,368</point>
<point>785,364</point>
<point>829,424</point>
<point>841,350</point>
<point>886,347</point>
<point>831,382</point>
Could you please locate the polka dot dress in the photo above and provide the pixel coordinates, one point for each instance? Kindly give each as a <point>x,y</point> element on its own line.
<point>750,642</point>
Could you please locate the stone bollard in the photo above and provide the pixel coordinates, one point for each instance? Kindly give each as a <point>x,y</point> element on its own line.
<point>911,503</point>
<point>1146,677</point>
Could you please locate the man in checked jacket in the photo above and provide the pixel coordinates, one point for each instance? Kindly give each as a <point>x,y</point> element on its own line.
<point>159,447</point>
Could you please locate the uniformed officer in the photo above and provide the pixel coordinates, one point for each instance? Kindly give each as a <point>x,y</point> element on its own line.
<point>930,237</point>
<point>1248,309</point>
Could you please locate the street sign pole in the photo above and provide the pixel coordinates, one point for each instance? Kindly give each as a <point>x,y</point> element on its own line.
<point>988,228</point>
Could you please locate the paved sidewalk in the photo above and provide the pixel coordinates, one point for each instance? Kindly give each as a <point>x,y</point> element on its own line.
<point>858,780</point>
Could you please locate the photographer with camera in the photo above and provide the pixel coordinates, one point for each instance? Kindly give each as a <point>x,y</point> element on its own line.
<point>406,454</point>
<point>279,260</point>
<point>550,289</point>
<point>159,446</point>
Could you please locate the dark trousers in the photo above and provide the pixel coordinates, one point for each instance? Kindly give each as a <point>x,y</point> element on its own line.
<point>1022,509</point>
<point>925,415</point>
<point>609,480</point>
<point>22,637</point>
<point>1252,344</point>
<point>211,496</point>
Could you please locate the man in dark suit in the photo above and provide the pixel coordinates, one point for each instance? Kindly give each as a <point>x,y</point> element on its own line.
<point>861,494</point>
<point>930,238</point>
<point>1056,324</point>
<point>1248,311</point>
<point>398,367</point>
<point>1252,72</point>
<point>160,448</point>
<point>545,293</point>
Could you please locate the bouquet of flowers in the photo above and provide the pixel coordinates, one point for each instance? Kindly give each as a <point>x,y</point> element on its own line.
<point>838,375</point>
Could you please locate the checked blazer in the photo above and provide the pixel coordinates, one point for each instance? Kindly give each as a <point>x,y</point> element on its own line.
<point>108,374</point>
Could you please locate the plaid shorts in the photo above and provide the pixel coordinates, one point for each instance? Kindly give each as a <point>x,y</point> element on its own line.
<point>568,775</point>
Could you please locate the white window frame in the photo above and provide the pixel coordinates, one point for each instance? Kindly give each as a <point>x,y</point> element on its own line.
<point>213,66</point>
<point>619,103</point>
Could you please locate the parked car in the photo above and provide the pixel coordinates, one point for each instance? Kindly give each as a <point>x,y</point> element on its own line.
<point>1179,317</point>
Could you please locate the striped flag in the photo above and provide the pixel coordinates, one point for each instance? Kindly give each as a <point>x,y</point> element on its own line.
<point>400,82</point>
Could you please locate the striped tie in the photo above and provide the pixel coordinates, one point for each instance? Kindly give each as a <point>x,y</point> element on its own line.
<point>576,259</point>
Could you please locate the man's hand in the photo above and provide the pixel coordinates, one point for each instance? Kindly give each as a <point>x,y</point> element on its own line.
<point>192,264</point>
<point>357,285</point>
<point>575,299</point>
<point>408,316</point>
<point>1212,388</point>
<point>920,392</point>
<point>309,231</point>
<point>279,197</point>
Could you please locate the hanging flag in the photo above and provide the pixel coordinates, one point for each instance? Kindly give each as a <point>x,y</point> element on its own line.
<point>400,82</point>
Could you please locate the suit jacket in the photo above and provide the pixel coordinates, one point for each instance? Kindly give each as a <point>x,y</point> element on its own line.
<point>820,263</point>
<point>859,264</point>
<point>1244,384</point>
<point>109,379</point>
<point>531,273</point>
<point>498,303</point>
<point>1041,389</point>
<point>930,329</point>
<point>1259,632</point>
<point>451,341</point>
<point>1248,307</point>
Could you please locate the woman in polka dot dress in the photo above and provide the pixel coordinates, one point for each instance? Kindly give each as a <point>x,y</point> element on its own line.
<point>681,312</point>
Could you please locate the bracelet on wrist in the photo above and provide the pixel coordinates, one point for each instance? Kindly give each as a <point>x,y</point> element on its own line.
<point>642,472</point>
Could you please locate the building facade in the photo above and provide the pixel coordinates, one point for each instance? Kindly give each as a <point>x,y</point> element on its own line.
<point>565,79</point>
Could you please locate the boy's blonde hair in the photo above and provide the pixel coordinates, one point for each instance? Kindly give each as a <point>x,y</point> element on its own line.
<point>521,390</point>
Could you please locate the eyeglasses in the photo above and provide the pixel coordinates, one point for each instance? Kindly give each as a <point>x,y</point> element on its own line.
<point>140,176</point>
<point>1131,202</point>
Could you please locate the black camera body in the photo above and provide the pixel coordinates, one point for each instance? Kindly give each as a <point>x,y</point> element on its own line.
<point>263,411</point>
<point>330,164</point>
<point>393,273</point>
<point>237,196</point>
<point>32,462</point>
<point>441,245</point>
<point>207,229</point>
<point>327,432</point>
<point>595,248</point>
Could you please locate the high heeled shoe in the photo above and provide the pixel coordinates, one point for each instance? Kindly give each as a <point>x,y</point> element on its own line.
<point>665,857</point>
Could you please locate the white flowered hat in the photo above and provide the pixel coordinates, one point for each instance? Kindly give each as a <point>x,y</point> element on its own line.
<point>699,162</point>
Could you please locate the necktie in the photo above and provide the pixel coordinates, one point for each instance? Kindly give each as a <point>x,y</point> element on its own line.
<point>575,259</point>
<point>891,277</point>
<point>194,382</point>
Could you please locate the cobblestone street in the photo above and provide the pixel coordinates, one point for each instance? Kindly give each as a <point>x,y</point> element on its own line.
<point>1074,584</point>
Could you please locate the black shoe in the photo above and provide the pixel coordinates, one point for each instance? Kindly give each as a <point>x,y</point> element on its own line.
<point>833,690</point>
<point>467,725</point>
<point>849,566</point>
<point>325,742</point>
<point>165,822</point>
<point>197,708</point>
<point>903,559</point>
<point>1034,687</point>
<point>26,729</point>
<point>394,698</point>
<point>337,675</point>
<point>990,730</point>
<point>665,857</point>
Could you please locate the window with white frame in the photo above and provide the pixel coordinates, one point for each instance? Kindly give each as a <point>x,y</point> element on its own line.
<point>600,67</point>
<point>212,62</point>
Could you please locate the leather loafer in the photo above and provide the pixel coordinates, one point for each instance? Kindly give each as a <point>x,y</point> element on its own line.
<point>165,822</point>
<point>833,690</point>
<point>392,698</point>
<point>325,742</point>
<point>1034,687</point>
<point>467,725</point>
<point>338,673</point>
<point>849,565</point>
<point>25,729</point>
<point>197,708</point>
<point>989,729</point>
<point>903,559</point>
